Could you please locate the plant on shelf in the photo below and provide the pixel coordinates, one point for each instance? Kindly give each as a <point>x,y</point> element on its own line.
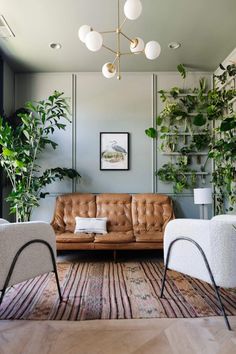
<point>21,148</point>
<point>179,174</point>
<point>183,130</point>
<point>185,126</point>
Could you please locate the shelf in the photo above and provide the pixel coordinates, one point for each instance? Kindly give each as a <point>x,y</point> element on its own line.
<point>233,100</point>
<point>197,173</point>
<point>227,83</point>
<point>184,134</point>
<point>182,94</point>
<point>196,114</point>
<point>182,154</point>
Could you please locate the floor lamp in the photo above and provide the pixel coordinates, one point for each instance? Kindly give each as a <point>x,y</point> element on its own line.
<point>203,196</point>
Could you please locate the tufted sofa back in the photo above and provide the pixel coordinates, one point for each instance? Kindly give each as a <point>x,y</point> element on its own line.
<point>68,206</point>
<point>151,212</point>
<point>117,209</point>
<point>140,213</point>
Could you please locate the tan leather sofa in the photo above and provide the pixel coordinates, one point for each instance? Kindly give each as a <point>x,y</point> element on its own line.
<point>134,221</point>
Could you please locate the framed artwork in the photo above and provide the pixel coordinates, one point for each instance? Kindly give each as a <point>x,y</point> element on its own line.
<point>114,151</point>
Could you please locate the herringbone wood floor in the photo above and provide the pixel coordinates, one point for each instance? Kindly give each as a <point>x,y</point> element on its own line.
<point>154,336</point>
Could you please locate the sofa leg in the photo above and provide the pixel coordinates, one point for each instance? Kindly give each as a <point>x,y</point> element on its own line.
<point>114,256</point>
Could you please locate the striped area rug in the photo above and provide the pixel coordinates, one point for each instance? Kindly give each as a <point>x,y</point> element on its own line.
<point>105,290</point>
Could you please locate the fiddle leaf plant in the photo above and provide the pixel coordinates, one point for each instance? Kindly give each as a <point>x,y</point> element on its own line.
<point>21,147</point>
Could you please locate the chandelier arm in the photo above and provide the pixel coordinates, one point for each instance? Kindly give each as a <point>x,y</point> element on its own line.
<point>108,48</point>
<point>105,32</point>
<point>122,24</point>
<point>118,39</point>
<point>115,59</point>
<point>124,35</point>
<point>130,53</point>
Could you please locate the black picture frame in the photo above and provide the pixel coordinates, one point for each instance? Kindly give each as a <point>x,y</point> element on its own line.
<point>114,151</point>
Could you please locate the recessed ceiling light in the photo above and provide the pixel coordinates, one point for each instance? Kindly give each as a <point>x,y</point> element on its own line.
<point>174,45</point>
<point>55,45</point>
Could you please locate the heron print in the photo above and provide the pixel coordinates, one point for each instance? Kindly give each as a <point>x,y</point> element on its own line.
<point>114,151</point>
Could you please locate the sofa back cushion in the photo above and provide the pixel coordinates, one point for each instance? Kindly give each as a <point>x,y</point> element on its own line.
<point>117,209</point>
<point>68,206</point>
<point>151,213</point>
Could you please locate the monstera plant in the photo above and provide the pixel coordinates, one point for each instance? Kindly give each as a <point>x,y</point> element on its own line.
<point>21,147</point>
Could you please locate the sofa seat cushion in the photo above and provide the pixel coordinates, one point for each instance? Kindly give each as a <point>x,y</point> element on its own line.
<point>149,236</point>
<point>115,237</point>
<point>69,237</point>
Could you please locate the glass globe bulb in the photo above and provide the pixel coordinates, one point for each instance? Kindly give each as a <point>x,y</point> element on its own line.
<point>94,41</point>
<point>137,45</point>
<point>152,50</point>
<point>83,31</point>
<point>109,70</point>
<point>133,9</point>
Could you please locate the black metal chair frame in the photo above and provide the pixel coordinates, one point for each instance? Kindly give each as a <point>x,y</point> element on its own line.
<point>12,267</point>
<point>208,268</point>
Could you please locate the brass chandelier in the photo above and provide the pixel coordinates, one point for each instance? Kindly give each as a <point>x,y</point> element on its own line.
<point>94,40</point>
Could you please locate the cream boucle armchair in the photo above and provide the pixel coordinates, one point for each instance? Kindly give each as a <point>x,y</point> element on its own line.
<point>27,249</point>
<point>203,249</point>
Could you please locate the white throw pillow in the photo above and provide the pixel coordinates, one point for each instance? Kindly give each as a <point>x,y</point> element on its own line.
<point>91,225</point>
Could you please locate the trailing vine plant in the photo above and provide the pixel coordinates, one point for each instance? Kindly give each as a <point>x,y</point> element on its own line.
<point>223,146</point>
<point>184,127</point>
<point>21,147</point>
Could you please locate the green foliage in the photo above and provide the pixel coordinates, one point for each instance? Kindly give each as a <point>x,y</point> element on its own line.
<point>181,69</point>
<point>223,152</point>
<point>21,148</point>
<point>187,115</point>
<point>151,132</point>
<point>179,174</point>
<point>230,70</point>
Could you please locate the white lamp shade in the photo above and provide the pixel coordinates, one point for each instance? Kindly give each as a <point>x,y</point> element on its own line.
<point>132,9</point>
<point>83,31</point>
<point>109,70</point>
<point>152,50</point>
<point>137,45</point>
<point>202,195</point>
<point>94,41</point>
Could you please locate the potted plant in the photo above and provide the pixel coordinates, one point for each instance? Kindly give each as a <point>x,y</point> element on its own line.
<point>22,145</point>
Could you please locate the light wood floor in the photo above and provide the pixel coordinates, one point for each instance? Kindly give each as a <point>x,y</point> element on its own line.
<point>153,336</point>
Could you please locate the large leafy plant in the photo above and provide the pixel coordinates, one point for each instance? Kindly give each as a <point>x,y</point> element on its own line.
<point>22,146</point>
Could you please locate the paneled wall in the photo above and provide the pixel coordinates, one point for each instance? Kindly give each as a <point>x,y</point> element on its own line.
<point>8,109</point>
<point>96,105</point>
<point>111,106</point>
<point>100,105</point>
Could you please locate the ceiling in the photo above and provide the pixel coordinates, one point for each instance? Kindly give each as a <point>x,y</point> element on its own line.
<point>205,28</point>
